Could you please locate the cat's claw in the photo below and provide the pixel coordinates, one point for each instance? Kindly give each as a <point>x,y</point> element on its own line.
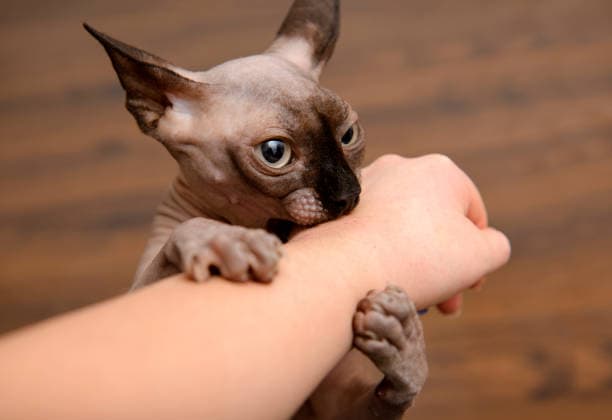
<point>388,330</point>
<point>201,248</point>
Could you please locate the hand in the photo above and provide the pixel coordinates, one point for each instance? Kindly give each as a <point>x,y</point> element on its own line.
<point>420,224</point>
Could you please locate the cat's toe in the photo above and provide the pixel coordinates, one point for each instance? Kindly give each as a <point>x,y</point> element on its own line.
<point>392,301</point>
<point>223,255</point>
<point>196,265</point>
<point>388,330</point>
<point>266,251</point>
<point>248,254</point>
<point>374,325</point>
<point>201,250</point>
<point>232,257</point>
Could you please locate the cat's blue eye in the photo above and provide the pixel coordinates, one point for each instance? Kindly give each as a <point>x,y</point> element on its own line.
<point>349,136</point>
<point>275,153</point>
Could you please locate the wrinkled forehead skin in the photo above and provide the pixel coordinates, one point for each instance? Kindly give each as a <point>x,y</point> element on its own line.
<point>271,90</point>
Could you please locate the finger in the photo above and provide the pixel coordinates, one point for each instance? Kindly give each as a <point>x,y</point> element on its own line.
<point>475,209</point>
<point>477,287</point>
<point>451,306</point>
<point>469,196</point>
<point>497,248</point>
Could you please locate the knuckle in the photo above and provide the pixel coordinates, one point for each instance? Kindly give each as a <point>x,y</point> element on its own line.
<point>440,159</point>
<point>391,158</point>
<point>505,248</point>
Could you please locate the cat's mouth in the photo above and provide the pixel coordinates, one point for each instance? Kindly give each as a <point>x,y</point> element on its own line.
<point>304,208</point>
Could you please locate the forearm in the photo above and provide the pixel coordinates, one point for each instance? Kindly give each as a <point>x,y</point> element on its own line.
<point>218,350</point>
<point>165,351</point>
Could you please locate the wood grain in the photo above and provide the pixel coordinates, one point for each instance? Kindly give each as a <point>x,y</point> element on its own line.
<point>518,93</point>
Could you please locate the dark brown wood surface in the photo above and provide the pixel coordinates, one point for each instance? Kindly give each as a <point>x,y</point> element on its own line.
<point>518,93</point>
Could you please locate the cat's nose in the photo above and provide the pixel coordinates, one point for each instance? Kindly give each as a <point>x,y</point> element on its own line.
<point>346,202</point>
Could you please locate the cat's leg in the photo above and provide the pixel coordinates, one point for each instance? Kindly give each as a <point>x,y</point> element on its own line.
<point>345,391</point>
<point>388,330</point>
<point>201,247</point>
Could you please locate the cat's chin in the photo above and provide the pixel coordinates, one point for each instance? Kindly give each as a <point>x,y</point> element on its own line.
<point>281,228</point>
<point>284,229</point>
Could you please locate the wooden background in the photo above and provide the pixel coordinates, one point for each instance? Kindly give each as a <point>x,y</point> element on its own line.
<point>518,93</point>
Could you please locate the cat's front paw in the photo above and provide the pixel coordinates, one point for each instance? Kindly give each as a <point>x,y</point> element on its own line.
<point>388,330</point>
<point>201,248</point>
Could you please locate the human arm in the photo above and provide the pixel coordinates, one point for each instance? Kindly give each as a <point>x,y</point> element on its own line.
<point>219,350</point>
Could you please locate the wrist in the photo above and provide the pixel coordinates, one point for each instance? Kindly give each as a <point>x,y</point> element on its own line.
<point>350,258</point>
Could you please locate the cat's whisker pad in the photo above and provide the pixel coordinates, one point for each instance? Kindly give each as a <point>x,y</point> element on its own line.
<point>305,207</point>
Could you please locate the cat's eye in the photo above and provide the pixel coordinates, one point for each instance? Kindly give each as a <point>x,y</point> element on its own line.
<point>349,136</point>
<point>275,153</point>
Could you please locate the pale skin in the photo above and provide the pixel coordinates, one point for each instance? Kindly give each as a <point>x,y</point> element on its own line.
<point>220,349</point>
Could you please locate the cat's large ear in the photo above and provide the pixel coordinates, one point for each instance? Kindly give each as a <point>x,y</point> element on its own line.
<point>308,34</point>
<point>150,83</point>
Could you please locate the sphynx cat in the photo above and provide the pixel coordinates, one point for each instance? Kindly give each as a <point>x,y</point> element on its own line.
<point>262,147</point>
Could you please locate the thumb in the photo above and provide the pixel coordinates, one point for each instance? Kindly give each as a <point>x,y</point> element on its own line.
<point>498,248</point>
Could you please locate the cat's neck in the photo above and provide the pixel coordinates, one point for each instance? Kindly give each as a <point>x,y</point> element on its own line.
<point>181,204</point>
<point>184,201</point>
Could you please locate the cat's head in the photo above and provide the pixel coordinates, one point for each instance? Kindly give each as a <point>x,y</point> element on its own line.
<point>256,138</point>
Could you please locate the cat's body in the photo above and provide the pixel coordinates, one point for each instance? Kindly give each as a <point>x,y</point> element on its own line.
<point>262,146</point>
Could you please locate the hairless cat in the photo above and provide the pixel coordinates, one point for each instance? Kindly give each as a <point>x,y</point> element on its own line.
<point>262,147</point>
